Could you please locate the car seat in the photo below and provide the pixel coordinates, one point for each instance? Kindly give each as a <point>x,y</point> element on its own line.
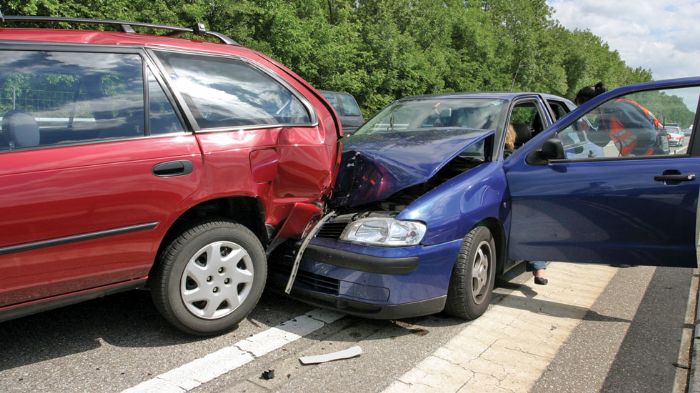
<point>523,133</point>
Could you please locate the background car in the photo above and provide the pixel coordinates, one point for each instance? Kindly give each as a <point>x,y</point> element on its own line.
<point>105,185</point>
<point>676,137</point>
<point>346,106</point>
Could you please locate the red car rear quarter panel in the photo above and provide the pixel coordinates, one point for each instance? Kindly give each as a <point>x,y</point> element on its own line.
<point>329,126</point>
<point>280,166</point>
<point>290,165</point>
<point>305,164</point>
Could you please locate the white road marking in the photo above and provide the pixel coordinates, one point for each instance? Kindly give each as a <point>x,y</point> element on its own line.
<point>215,364</point>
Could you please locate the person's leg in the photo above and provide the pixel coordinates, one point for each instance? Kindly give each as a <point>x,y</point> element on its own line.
<point>537,268</point>
<point>537,265</point>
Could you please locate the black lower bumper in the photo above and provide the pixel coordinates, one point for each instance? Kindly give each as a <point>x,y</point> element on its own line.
<point>370,310</point>
<point>361,262</point>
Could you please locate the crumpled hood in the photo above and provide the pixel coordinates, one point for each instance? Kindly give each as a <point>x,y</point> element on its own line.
<point>377,166</point>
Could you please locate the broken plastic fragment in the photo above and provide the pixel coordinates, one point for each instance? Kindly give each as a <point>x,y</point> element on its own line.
<point>329,357</point>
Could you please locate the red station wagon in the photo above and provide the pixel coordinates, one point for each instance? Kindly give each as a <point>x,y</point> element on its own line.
<point>130,160</point>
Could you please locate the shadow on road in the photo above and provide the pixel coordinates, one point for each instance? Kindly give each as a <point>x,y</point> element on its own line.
<point>524,289</point>
<point>645,360</point>
<point>127,319</point>
<point>551,308</point>
<point>636,356</point>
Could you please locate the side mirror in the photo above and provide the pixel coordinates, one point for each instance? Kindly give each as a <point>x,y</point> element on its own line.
<point>552,149</point>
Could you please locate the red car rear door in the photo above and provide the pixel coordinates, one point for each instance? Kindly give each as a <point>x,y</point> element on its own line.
<point>87,180</point>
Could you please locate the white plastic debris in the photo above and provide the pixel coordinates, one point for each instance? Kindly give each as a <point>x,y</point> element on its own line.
<point>329,357</point>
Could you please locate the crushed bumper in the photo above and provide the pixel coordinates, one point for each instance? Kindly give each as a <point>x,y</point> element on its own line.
<point>361,262</point>
<point>372,282</point>
<point>370,310</point>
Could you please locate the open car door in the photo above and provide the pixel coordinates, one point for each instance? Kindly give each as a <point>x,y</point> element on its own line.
<point>627,197</point>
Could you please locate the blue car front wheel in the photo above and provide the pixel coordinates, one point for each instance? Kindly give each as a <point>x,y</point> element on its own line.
<point>473,276</point>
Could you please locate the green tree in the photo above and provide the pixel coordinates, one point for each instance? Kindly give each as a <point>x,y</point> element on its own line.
<point>383,50</point>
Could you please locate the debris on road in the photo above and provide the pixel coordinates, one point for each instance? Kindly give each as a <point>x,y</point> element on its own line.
<point>419,332</point>
<point>413,329</point>
<point>268,374</point>
<point>329,357</point>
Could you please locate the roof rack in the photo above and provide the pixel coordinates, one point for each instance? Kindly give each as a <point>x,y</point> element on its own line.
<point>127,27</point>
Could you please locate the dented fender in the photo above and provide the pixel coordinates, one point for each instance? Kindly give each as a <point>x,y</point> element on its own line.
<point>453,208</point>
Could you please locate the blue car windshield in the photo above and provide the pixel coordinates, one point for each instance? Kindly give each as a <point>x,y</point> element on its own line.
<point>437,113</point>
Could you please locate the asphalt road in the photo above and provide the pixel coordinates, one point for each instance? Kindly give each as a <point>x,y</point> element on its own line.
<point>629,339</point>
<point>634,338</point>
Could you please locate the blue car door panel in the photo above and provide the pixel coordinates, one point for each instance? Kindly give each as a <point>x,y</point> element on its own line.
<point>622,204</point>
<point>605,212</point>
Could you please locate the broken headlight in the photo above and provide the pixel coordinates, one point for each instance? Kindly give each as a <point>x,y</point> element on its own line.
<point>384,231</point>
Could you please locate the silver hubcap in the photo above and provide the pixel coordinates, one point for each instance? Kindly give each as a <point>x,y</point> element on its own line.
<point>480,272</point>
<point>216,280</point>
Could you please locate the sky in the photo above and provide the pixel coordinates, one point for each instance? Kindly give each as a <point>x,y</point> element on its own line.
<point>662,36</point>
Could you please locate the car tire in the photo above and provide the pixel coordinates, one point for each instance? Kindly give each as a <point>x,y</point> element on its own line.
<point>473,276</point>
<point>209,277</point>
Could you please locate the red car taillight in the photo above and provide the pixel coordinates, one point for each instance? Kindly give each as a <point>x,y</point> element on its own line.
<point>339,158</point>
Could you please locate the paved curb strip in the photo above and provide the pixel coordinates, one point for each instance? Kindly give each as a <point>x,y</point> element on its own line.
<point>495,353</point>
<point>215,364</point>
<point>694,378</point>
<point>685,355</point>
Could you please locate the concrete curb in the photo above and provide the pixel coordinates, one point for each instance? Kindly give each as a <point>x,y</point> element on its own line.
<point>694,377</point>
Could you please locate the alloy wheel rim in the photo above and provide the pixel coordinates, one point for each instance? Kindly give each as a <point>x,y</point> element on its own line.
<point>217,280</point>
<point>481,269</point>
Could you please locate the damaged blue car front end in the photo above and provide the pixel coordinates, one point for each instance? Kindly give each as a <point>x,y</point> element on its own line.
<point>407,276</point>
<point>404,200</point>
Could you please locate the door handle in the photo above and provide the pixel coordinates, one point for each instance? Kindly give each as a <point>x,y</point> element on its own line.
<point>675,177</point>
<point>173,168</point>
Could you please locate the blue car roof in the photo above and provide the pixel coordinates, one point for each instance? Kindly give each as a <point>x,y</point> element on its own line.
<point>660,84</point>
<point>494,95</point>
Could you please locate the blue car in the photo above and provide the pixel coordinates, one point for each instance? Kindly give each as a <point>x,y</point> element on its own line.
<point>428,210</point>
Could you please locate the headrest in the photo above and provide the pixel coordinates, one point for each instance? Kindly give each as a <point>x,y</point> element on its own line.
<point>523,133</point>
<point>21,129</point>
